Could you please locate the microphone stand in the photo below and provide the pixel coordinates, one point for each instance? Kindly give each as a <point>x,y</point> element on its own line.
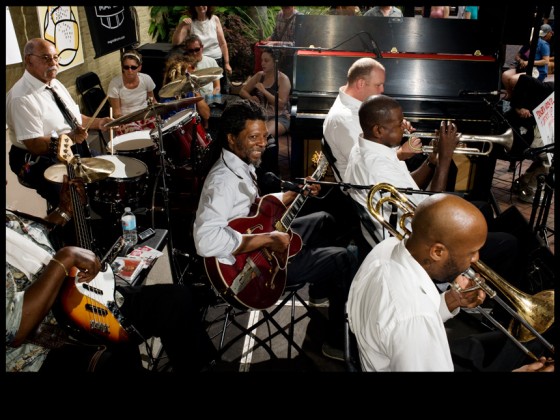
<point>346,186</point>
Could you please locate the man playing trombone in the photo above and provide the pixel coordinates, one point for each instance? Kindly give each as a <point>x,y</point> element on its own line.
<point>396,312</point>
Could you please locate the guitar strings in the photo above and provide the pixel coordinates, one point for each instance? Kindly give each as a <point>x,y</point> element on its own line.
<point>83,238</point>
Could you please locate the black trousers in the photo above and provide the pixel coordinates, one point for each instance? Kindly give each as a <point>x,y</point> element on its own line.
<point>30,170</point>
<point>328,269</point>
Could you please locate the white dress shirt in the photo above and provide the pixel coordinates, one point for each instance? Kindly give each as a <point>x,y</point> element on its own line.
<point>371,163</point>
<point>342,128</point>
<point>397,314</point>
<point>32,112</point>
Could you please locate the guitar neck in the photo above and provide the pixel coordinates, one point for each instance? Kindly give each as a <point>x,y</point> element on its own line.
<point>84,236</point>
<point>297,204</point>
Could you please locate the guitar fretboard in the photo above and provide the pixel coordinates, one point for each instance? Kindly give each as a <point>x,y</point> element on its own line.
<point>300,200</point>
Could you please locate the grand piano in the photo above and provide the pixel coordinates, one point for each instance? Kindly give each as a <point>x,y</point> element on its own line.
<point>436,68</point>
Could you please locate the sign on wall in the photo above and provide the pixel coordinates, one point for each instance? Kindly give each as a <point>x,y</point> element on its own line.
<point>59,25</point>
<point>111,28</point>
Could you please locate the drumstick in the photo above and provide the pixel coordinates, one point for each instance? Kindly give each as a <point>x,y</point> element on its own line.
<point>96,112</point>
<point>111,129</point>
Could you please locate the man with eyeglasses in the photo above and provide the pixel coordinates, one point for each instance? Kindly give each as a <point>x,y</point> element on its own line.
<point>35,120</point>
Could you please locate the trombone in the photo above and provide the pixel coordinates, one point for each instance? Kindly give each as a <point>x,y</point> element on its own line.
<point>534,313</point>
<point>505,139</point>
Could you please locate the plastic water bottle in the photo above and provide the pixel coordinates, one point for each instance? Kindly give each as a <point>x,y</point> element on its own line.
<point>128,222</point>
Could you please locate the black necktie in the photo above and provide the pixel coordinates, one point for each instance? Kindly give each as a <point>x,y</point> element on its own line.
<point>83,148</point>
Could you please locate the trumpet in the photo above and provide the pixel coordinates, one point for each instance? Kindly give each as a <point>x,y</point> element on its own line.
<point>505,139</point>
<point>534,315</point>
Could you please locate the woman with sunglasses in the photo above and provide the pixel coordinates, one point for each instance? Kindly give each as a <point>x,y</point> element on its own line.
<point>131,92</point>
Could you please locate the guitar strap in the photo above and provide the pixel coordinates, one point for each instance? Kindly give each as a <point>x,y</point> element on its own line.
<point>81,149</point>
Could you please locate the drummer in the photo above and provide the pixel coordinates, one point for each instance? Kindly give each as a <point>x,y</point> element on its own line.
<point>130,92</point>
<point>177,67</point>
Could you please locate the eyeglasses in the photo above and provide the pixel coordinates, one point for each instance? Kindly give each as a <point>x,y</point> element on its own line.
<point>193,50</point>
<point>130,67</point>
<point>46,58</point>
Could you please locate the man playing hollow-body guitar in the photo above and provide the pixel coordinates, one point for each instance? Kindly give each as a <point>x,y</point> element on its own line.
<point>230,193</point>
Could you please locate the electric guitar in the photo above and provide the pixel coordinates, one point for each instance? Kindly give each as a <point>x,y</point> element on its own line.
<point>257,279</point>
<point>89,309</point>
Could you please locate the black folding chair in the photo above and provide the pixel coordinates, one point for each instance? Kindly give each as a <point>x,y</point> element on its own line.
<point>89,87</point>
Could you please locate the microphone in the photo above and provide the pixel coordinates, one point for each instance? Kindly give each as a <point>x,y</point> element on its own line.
<point>271,178</point>
<point>478,93</point>
<point>533,152</point>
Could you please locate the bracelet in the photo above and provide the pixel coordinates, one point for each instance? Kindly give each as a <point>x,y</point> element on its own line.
<point>62,265</point>
<point>63,214</point>
<point>430,164</point>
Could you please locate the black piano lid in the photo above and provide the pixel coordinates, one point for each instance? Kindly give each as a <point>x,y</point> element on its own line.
<point>416,53</point>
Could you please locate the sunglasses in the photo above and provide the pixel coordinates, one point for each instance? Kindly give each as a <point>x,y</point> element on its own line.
<point>193,50</point>
<point>130,67</point>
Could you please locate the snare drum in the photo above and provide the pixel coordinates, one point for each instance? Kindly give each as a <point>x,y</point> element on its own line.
<point>127,184</point>
<point>178,132</point>
<point>138,145</point>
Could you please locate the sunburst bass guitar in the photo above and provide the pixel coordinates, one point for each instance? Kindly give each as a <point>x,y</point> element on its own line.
<point>89,309</point>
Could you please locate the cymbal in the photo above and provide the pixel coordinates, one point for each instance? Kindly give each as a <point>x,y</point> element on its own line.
<point>90,170</point>
<point>203,80</point>
<point>210,71</point>
<point>153,111</point>
<point>177,88</point>
<point>192,83</point>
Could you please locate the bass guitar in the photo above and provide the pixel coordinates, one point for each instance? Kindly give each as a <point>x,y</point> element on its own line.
<point>89,309</point>
<point>257,279</point>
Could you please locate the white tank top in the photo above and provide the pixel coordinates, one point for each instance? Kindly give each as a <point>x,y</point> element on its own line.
<point>206,31</point>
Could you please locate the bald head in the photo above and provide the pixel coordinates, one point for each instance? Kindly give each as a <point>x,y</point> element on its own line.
<point>448,218</point>
<point>35,51</point>
<point>362,68</point>
<point>447,233</point>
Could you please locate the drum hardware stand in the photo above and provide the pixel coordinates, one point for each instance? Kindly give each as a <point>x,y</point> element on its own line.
<point>162,174</point>
<point>545,187</point>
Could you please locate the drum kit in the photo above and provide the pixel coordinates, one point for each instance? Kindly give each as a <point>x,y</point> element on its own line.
<point>141,160</point>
